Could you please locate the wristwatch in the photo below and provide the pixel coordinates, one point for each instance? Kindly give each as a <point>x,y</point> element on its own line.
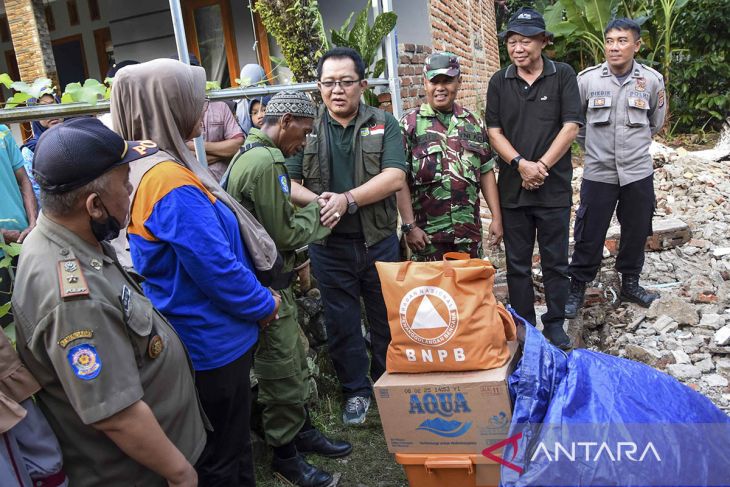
<point>516,161</point>
<point>351,203</point>
<point>407,227</point>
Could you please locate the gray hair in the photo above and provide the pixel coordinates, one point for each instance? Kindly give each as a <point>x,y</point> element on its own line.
<point>64,203</point>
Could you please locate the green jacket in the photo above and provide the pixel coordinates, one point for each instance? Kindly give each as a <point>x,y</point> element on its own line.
<point>260,182</point>
<point>379,219</point>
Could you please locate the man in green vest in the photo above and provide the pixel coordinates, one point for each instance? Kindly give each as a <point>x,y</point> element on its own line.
<point>355,162</point>
<point>259,180</point>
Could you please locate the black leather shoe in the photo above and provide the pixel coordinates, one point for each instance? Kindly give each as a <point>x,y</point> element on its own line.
<point>296,471</point>
<point>557,336</point>
<point>313,441</point>
<point>631,291</point>
<point>575,299</point>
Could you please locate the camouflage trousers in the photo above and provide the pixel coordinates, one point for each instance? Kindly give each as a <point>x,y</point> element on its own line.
<point>280,365</point>
<point>436,250</point>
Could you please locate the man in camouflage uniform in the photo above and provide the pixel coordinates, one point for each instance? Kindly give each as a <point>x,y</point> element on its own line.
<point>449,163</point>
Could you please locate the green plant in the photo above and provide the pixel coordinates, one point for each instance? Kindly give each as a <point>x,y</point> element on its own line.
<point>7,252</point>
<point>660,38</point>
<point>580,23</point>
<point>366,40</point>
<point>91,91</point>
<point>700,73</point>
<point>295,24</point>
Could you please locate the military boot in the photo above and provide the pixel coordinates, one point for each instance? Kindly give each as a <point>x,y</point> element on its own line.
<point>296,471</point>
<point>557,336</point>
<point>631,291</point>
<point>575,299</point>
<point>313,441</point>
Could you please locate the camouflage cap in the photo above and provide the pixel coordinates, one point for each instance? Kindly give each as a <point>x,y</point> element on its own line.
<point>441,63</point>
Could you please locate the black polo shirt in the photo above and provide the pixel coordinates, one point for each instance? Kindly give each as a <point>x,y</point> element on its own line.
<point>531,117</point>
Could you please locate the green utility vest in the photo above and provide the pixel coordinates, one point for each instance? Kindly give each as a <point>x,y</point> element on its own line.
<point>378,220</point>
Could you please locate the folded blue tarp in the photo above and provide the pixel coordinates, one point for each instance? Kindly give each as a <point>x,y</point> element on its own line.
<point>589,419</point>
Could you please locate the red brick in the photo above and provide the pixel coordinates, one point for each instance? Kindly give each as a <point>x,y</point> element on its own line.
<point>704,297</point>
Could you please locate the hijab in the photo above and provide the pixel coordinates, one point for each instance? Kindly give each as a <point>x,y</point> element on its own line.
<point>162,100</point>
<point>36,126</point>
<point>251,74</point>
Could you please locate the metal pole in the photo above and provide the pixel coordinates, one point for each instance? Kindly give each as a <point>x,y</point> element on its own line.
<point>391,56</point>
<point>40,112</point>
<point>182,54</point>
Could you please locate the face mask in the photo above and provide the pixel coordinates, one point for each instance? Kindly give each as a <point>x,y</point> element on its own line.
<point>107,229</point>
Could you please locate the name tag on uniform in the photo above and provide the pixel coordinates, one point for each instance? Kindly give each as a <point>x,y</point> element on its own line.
<point>637,102</point>
<point>599,102</point>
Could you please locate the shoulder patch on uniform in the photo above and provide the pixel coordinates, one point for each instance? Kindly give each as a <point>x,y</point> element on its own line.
<point>63,342</point>
<point>661,97</point>
<point>284,183</point>
<point>590,69</point>
<point>85,362</point>
<point>71,280</point>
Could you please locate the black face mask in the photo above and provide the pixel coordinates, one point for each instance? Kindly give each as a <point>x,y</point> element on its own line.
<point>107,229</point>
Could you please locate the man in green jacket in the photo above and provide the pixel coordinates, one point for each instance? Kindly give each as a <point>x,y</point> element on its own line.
<point>354,159</point>
<point>260,181</point>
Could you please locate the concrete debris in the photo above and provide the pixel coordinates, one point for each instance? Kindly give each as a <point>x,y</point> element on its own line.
<point>665,324</point>
<point>715,380</point>
<point>681,357</point>
<point>684,371</point>
<point>685,333</point>
<point>722,336</point>
<point>675,307</point>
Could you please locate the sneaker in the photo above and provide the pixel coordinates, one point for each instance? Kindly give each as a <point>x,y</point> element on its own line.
<point>356,410</point>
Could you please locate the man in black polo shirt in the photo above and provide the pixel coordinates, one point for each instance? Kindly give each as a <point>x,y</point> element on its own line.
<point>533,115</point>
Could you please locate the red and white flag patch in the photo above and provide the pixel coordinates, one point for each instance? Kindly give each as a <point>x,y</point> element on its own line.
<point>377,129</point>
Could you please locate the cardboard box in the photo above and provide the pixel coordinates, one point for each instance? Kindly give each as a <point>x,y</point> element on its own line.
<point>446,412</point>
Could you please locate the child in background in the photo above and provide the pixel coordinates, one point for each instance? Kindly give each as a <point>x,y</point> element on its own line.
<point>257,110</point>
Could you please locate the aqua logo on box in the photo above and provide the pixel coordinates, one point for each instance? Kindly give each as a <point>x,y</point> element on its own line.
<point>443,404</point>
<point>441,427</point>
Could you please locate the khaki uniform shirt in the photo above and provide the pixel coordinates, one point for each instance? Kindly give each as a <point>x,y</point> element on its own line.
<point>621,119</point>
<point>16,385</point>
<point>96,346</point>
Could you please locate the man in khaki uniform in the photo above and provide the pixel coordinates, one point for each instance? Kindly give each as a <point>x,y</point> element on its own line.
<point>117,383</point>
<point>625,106</point>
<point>260,182</point>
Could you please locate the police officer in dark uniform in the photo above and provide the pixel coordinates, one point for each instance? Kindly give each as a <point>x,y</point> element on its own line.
<point>625,105</point>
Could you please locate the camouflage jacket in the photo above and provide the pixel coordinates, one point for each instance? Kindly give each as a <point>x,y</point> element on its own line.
<point>445,165</point>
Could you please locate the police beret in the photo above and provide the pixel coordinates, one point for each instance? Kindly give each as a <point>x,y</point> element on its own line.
<point>76,152</point>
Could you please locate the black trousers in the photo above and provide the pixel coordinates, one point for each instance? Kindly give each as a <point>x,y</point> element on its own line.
<point>225,393</point>
<point>345,271</point>
<point>551,226</point>
<point>634,205</point>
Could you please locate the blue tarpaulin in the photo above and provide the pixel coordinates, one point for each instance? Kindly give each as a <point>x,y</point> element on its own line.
<point>590,419</point>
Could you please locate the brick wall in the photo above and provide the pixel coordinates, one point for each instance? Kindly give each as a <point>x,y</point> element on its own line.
<point>31,41</point>
<point>468,29</point>
<point>410,70</point>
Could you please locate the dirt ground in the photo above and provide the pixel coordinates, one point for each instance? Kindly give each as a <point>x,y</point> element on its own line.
<point>369,465</point>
